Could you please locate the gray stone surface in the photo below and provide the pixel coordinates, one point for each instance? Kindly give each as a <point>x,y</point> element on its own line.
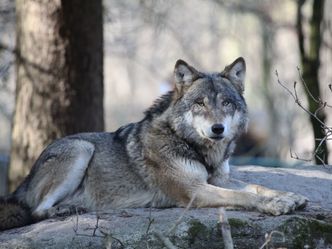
<point>199,228</point>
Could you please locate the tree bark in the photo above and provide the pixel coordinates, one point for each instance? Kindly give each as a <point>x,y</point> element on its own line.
<point>59,89</point>
<point>310,60</point>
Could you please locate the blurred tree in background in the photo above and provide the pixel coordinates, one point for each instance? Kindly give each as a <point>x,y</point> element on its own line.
<point>310,60</point>
<point>59,70</point>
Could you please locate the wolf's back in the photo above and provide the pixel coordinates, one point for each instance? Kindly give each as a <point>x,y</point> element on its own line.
<point>13,213</point>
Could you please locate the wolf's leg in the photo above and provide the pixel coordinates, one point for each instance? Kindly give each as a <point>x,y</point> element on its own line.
<point>300,201</point>
<point>219,178</point>
<point>207,195</point>
<point>187,180</point>
<point>62,173</point>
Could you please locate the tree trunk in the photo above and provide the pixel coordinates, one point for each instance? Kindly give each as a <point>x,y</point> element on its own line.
<point>59,87</point>
<point>272,148</point>
<point>310,60</point>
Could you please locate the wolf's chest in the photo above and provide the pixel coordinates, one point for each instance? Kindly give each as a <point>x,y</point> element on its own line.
<point>214,156</point>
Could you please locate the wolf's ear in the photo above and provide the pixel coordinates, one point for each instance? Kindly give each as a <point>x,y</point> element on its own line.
<point>236,72</point>
<point>184,75</point>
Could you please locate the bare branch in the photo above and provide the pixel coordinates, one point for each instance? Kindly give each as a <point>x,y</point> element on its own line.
<point>318,101</point>
<point>305,86</point>
<point>225,229</point>
<point>151,220</point>
<point>179,220</point>
<point>285,87</point>
<point>297,101</point>
<point>321,106</point>
<point>165,240</point>
<point>105,235</point>
<point>268,238</point>
<point>75,228</point>
<point>111,238</point>
<point>96,226</point>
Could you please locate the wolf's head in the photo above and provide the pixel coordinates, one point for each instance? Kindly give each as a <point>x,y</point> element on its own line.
<point>209,107</point>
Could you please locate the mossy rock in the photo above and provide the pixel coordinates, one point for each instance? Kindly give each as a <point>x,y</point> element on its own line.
<point>298,232</point>
<point>203,236</point>
<point>304,232</point>
<point>242,227</point>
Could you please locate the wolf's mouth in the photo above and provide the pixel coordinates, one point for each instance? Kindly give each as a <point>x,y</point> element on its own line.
<point>217,137</point>
<point>213,137</point>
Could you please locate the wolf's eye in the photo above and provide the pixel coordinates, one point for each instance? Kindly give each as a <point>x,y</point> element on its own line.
<point>200,102</point>
<point>226,103</point>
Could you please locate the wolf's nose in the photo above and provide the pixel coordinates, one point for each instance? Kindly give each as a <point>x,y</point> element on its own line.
<point>218,129</point>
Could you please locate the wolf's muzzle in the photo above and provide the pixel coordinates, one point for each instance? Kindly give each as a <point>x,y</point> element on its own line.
<point>217,130</point>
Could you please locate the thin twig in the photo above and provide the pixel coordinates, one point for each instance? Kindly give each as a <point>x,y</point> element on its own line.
<point>305,86</point>
<point>268,238</point>
<point>151,220</point>
<point>321,107</point>
<point>179,220</point>
<point>96,226</point>
<point>297,101</point>
<point>320,143</point>
<point>75,228</point>
<point>285,87</point>
<point>318,101</point>
<point>165,240</point>
<point>107,235</point>
<point>225,229</point>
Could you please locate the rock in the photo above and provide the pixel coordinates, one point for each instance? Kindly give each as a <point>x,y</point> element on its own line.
<point>199,228</point>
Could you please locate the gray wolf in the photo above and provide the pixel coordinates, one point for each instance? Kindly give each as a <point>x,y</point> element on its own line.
<point>176,154</point>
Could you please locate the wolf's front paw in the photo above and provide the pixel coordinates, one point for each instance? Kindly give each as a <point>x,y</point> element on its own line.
<point>300,200</point>
<point>277,205</point>
<point>64,210</point>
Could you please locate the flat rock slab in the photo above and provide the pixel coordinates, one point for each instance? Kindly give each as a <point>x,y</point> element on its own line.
<point>314,182</point>
<point>197,228</point>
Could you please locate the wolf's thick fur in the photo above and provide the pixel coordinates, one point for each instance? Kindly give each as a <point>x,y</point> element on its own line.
<point>178,152</point>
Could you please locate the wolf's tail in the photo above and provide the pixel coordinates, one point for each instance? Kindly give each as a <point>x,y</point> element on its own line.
<point>13,213</point>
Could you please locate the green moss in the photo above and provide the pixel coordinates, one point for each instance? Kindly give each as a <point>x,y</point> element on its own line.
<point>319,228</point>
<point>307,231</point>
<point>241,228</point>
<point>197,229</point>
<point>201,235</point>
<point>237,223</point>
